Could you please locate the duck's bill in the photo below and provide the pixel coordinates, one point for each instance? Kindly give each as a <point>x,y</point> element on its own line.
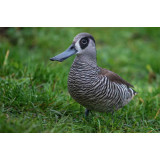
<point>64,55</point>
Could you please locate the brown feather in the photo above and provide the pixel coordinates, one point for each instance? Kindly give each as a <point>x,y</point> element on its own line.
<point>114,77</point>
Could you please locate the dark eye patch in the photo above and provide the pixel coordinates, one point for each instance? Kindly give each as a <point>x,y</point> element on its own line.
<point>84,42</point>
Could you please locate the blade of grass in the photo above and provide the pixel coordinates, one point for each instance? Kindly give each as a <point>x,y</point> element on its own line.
<point>6,58</point>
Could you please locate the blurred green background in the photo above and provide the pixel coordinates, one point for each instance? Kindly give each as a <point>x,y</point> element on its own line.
<point>33,90</point>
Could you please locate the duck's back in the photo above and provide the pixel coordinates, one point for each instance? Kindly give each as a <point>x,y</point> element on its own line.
<point>98,89</point>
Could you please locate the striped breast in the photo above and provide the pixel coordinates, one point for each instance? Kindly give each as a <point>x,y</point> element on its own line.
<point>90,87</point>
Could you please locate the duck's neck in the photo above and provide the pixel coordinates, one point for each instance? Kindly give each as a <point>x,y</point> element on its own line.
<point>92,61</point>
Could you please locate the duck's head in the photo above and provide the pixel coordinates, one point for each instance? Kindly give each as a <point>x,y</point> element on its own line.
<point>83,45</point>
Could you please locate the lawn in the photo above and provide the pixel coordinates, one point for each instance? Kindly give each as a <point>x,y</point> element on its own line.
<point>33,90</point>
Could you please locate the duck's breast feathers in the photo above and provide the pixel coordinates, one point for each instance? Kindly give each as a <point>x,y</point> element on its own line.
<point>113,77</point>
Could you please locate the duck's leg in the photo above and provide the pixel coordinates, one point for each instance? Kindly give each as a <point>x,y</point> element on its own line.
<point>87,112</point>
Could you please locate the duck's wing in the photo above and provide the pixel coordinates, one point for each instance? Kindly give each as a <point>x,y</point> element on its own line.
<point>113,77</point>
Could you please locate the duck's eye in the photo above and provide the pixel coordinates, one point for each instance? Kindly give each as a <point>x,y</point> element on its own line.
<point>84,42</point>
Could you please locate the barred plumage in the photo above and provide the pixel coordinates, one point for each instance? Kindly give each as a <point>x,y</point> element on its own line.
<point>93,87</point>
<point>95,91</point>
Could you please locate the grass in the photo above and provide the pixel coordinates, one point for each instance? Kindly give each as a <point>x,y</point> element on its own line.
<point>33,90</point>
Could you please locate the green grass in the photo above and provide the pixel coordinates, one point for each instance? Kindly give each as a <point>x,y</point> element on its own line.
<point>33,90</point>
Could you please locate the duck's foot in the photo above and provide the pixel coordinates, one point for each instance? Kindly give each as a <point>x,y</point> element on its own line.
<point>87,113</point>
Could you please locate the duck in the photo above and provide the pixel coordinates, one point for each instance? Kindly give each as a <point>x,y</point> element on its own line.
<point>95,88</point>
